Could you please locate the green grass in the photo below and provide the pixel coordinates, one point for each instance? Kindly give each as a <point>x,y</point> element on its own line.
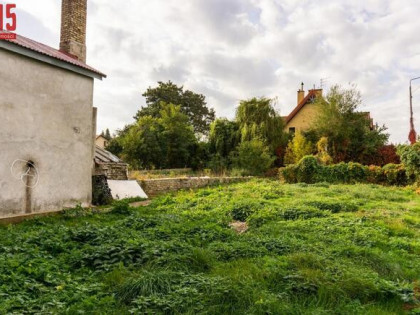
<point>309,249</point>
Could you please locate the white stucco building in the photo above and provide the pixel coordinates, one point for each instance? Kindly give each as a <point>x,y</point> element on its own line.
<point>47,120</point>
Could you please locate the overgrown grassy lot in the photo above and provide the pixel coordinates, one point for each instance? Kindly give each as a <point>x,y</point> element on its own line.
<point>309,249</point>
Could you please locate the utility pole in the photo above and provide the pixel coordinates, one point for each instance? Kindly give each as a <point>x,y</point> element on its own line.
<point>412,134</point>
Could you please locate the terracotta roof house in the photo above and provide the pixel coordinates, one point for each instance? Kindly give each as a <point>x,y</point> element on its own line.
<point>303,115</point>
<point>47,120</point>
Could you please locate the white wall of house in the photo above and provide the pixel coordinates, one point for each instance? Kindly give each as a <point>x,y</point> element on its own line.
<point>45,117</point>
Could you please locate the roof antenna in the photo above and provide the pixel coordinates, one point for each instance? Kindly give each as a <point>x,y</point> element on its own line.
<point>324,82</point>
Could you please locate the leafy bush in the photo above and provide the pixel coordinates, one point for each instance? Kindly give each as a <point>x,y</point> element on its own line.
<point>121,207</point>
<point>297,148</point>
<point>357,172</point>
<point>410,158</point>
<point>307,169</point>
<point>336,173</point>
<point>395,174</point>
<point>385,155</point>
<point>376,175</point>
<point>253,157</point>
<point>218,164</point>
<point>289,173</point>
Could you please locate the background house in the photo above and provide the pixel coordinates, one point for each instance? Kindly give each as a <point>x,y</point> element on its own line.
<point>304,113</point>
<point>101,141</point>
<point>47,120</point>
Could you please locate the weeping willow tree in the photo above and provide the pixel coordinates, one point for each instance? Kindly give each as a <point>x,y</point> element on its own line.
<point>223,137</point>
<point>223,141</point>
<point>257,119</point>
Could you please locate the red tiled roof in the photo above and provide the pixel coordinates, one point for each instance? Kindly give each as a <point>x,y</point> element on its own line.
<point>312,93</point>
<point>51,52</point>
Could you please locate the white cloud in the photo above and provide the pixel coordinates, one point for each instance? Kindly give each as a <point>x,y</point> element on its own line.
<point>233,49</point>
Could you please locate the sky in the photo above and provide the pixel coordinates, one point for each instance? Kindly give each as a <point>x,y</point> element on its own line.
<point>229,50</point>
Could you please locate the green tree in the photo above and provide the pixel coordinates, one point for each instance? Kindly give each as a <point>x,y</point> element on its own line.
<point>350,133</point>
<point>192,104</point>
<point>223,137</point>
<point>257,119</point>
<point>178,134</point>
<point>199,155</point>
<point>144,145</point>
<point>223,140</point>
<point>115,145</point>
<point>166,141</point>
<point>297,148</point>
<point>253,157</point>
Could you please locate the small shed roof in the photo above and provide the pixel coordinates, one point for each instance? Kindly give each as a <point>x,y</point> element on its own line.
<point>104,156</point>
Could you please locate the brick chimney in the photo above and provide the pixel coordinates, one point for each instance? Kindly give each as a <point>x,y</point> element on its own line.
<point>73,28</point>
<point>300,94</point>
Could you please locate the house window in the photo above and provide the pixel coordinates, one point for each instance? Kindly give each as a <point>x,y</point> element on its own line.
<point>292,130</point>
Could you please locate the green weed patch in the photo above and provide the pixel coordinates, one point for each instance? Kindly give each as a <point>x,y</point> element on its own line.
<point>309,249</point>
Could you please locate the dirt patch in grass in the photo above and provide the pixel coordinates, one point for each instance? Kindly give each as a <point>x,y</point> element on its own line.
<point>140,203</point>
<point>239,227</point>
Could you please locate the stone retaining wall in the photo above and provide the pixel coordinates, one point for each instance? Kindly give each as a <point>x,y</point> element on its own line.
<point>115,171</point>
<point>154,187</point>
<point>165,171</point>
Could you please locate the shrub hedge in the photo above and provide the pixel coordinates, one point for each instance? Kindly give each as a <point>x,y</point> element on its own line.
<point>410,157</point>
<point>308,170</point>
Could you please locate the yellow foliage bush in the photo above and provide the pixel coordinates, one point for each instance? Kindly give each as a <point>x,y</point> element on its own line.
<point>297,148</point>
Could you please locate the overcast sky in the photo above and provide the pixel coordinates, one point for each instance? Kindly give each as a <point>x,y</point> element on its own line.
<point>230,50</point>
